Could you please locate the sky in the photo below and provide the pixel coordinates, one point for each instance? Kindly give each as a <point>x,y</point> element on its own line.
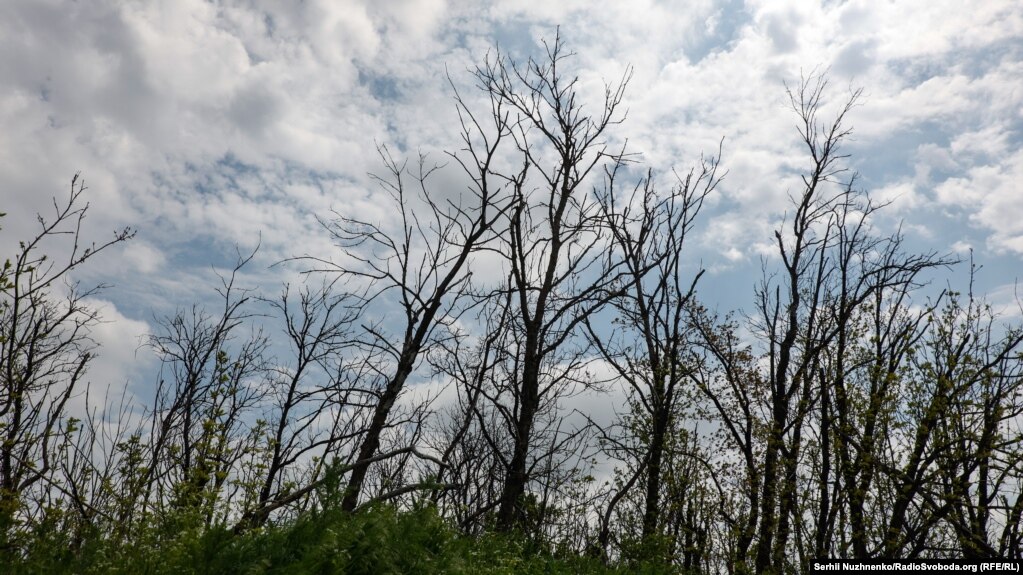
<point>214,127</point>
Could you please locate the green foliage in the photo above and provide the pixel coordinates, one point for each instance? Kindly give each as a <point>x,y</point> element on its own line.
<point>380,540</point>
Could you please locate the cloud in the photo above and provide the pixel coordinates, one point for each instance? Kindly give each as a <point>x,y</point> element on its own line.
<point>123,364</point>
<point>143,257</point>
<point>215,125</point>
<point>989,192</point>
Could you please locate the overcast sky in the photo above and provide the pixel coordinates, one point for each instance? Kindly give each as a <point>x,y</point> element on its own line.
<point>211,125</point>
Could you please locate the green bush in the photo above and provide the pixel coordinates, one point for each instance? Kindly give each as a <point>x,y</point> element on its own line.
<point>380,540</point>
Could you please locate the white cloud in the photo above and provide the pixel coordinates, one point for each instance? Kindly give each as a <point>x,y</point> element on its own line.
<point>962,248</point>
<point>990,194</point>
<point>209,124</point>
<point>143,257</point>
<point>123,362</point>
<point>900,196</point>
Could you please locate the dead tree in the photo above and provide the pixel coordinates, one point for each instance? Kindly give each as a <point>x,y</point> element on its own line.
<point>471,437</point>
<point>309,398</point>
<point>831,266</point>
<point>45,351</point>
<point>554,246</point>
<point>199,419</point>
<point>420,268</point>
<point>650,350</point>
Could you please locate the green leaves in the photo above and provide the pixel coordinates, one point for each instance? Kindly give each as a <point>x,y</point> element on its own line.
<point>377,540</point>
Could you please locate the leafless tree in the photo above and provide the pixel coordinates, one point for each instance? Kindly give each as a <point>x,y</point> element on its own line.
<point>832,265</point>
<point>554,246</point>
<point>420,268</point>
<point>470,437</point>
<point>45,351</point>
<point>308,415</point>
<point>203,399</point>
<point>650,349</point>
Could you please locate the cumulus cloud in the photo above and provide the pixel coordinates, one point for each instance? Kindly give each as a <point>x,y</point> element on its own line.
<point>123,363</point>
<point>989,193</point>
<point>215,125</point>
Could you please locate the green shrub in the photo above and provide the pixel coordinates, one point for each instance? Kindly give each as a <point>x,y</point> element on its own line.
<point>380,540</point>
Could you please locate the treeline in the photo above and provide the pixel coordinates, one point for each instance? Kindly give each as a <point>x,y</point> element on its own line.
<point>841,415</point>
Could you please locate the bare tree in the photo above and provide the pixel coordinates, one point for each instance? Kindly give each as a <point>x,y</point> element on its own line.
<point>45,351</point>
<point>650,350</point>
<point>421,268</point>
<point>471,438</point>
<point>559,271</point>
<point>832,267</point>
<point>308,416</point>
<point>203,401</point>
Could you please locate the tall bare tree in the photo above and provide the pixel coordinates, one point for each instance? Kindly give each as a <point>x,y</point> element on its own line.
<point>832,268</point>
<point>554,244</point>
<point>651,349</point>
